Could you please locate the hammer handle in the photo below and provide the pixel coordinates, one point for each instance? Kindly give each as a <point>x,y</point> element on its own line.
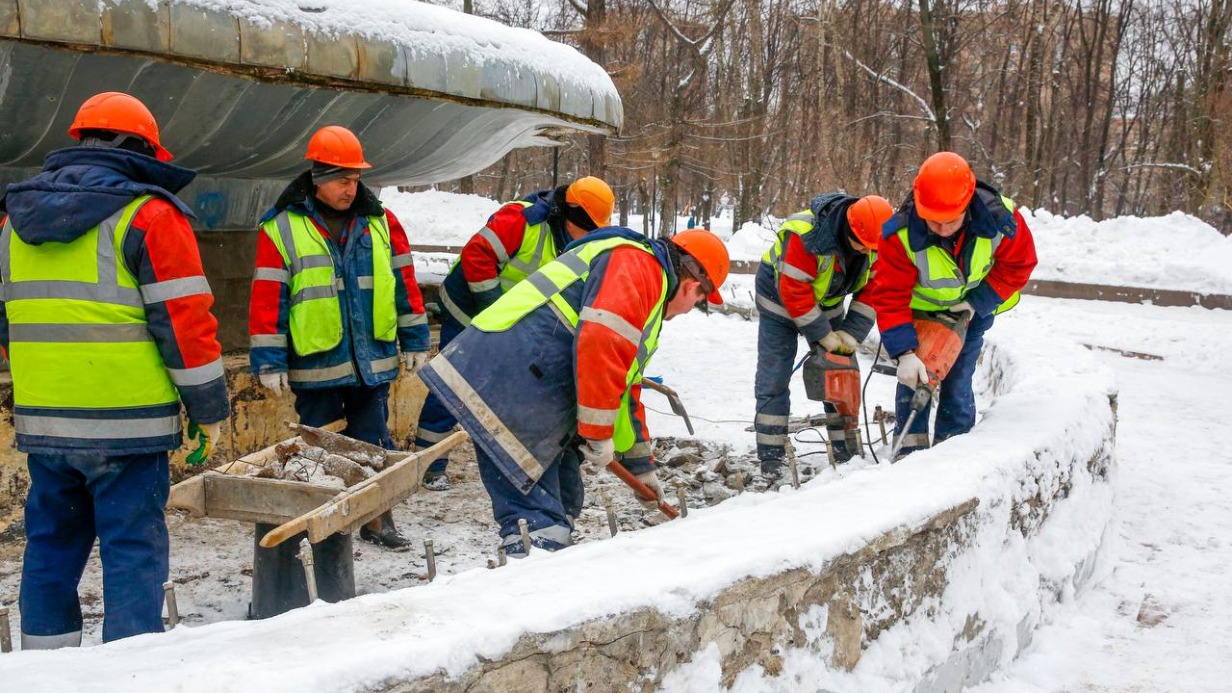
<point>642,490</point>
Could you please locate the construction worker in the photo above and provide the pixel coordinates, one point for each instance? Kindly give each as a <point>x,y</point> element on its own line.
<point>551,373</point>
<point>334,297</point>
<point>107,326</point>
<point>955,245</point>
<point>821,255</point>
<point>518,239</point>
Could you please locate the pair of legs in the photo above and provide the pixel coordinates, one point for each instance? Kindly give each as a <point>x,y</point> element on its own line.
<point>366,412</point>
<point>549,508</point>
<point>955,401</point>
<point>73,499</point>
<point>777,343</point>
<point>435,421</point>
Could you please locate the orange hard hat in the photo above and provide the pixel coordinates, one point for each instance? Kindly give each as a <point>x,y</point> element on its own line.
<point>943,187</point>
<point>594,196</point>
<point>865,218</point>
<point>710,253</point>
<point>336,146</point>
<point>118,112</point>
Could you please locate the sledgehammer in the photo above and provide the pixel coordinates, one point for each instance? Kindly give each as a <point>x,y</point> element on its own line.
<point>642,490</point>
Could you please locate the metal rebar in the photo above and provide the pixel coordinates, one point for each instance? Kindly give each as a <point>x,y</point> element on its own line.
<point>6,635</point>
<point>880,418</point>
<point>525,531</point>
<point>791,462</point>
<point>173,609</point>
<point>431,556</point>
<point>681,501</point>
<point>612,528</point>
<point>310,575</point>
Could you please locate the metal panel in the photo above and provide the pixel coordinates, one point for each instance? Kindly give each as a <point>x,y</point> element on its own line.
<point>549,93</point>
<point>70,21</point>
<point>135,25</point>
<point>508,82</point>
<point>380,62</point>
<point>9,26</point>
<point>332,56</point>
<point>204,34</point>
<point>425,70</point>
<point>463,77</point>
<point>273,44</point>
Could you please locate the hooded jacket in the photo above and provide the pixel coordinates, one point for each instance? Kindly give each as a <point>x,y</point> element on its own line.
<point>80,187</point>
<point>473,282</point>
<point>790,298</point>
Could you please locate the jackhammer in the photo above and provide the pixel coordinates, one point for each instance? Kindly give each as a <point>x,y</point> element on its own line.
<point>941,336</point>
<point>835,378</point>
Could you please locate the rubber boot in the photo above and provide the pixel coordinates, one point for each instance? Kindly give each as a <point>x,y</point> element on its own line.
<point>382,532</point>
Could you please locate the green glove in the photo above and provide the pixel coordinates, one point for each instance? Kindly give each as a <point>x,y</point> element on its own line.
<point>204,435</point>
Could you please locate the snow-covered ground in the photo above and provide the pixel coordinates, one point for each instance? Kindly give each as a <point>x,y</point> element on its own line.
<point>1177,251</point>
<point>1159,621</point>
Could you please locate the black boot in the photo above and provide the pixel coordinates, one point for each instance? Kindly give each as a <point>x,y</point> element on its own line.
<point>387,536</point>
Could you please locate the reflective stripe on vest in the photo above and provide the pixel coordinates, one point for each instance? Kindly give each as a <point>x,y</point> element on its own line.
<point>939,280</point>
<point>546,287</point>
<point>538,248</point>
<point>801,223</point>
<point>316,314</point>
<point>79,342</point>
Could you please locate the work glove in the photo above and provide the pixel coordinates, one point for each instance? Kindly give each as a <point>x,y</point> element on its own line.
<point>850,344</point>
<point>206,437</point>
<point>962,306</point>
<point>651,479</point>
<point>832,343</point>
<point>412,361</point>
<point>911,370</point>
<point>598,452</point>
<point>274,382</point>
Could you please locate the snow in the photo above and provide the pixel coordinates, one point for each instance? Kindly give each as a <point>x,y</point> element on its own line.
<point>1158,616</point>
<point>430,31</point>
<point>1177,251</point>
<point>449,624</point>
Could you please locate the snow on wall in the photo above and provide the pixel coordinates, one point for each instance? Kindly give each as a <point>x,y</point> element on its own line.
<point>1037,463</point>
<point>427,30</point>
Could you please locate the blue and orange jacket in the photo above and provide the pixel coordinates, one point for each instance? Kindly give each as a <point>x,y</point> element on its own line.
<point>473,283</point>
<point>534,375</point>
<point>895,274</point>
<point>80,187</point>
<point>795,297</point>
<point>270,305</point>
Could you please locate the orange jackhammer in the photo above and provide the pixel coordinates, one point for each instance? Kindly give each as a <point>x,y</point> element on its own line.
<point>941,336</point>
<point>835,378</point>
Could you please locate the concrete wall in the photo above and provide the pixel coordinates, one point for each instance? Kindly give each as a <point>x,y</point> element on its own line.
<point>256,422</point>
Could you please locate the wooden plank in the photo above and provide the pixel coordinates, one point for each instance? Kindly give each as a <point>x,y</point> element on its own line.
<point>189,495</point>
<point>247,499</point>
<point>366,500</point>
<point>268,501</point>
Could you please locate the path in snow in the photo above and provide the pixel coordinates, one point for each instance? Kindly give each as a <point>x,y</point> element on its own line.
<point>1161,619</point>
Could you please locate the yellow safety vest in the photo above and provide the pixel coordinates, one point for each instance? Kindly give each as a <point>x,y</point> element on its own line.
<point>316,315</point>
<point>939,281</point>
<point>801,223</point>
<point>79,338</point>
<point>547,285</point>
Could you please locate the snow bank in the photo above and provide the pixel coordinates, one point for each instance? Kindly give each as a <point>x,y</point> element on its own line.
<point>1177,251</point>
<point>939,566</point>
<point>433,217</point>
